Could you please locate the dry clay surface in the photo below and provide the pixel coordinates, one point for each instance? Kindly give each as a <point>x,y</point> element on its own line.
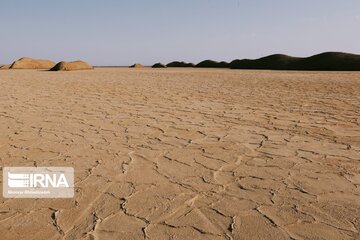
<point>185,154</point>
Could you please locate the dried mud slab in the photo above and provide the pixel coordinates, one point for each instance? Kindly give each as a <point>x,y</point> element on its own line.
<point>185,153</point>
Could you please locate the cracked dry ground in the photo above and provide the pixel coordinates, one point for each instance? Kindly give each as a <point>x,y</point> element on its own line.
<point>185,154</point>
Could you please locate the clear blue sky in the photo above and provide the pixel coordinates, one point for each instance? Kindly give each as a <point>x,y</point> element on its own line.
<point>122,32</point>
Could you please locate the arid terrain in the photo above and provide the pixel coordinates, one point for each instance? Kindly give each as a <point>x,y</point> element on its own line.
<point>185,153</point>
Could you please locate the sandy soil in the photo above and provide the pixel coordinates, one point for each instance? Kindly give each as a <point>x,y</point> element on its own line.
<point>185,154</point>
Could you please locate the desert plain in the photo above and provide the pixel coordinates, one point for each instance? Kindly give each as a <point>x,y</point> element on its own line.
<point>185,153</point>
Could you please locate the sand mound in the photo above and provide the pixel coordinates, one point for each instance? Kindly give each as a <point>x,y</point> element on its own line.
<point>212,64</point>
<point>5,67</point>
<point>29,63</point>
<point>71,66</point>
<point>158,65</point>
<point>136,65</point>
<point>180,64</point>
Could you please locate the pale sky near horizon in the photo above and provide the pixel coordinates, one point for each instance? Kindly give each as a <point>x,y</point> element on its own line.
<point>114,32</point>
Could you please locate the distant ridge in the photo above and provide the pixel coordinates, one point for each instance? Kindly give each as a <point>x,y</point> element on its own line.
<point>328,61</point>
<point>180,64</point>
<point>274,62</point>
<point>159,65</point>
<point>212,64</point>
<point>331,61</point>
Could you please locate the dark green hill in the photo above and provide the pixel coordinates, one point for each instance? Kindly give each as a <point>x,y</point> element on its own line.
<point>329,61</point>
<point>180,64</point>
<point>212,64</point>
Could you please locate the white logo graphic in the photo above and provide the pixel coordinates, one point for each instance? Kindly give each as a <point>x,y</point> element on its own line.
<point>18,180</point>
